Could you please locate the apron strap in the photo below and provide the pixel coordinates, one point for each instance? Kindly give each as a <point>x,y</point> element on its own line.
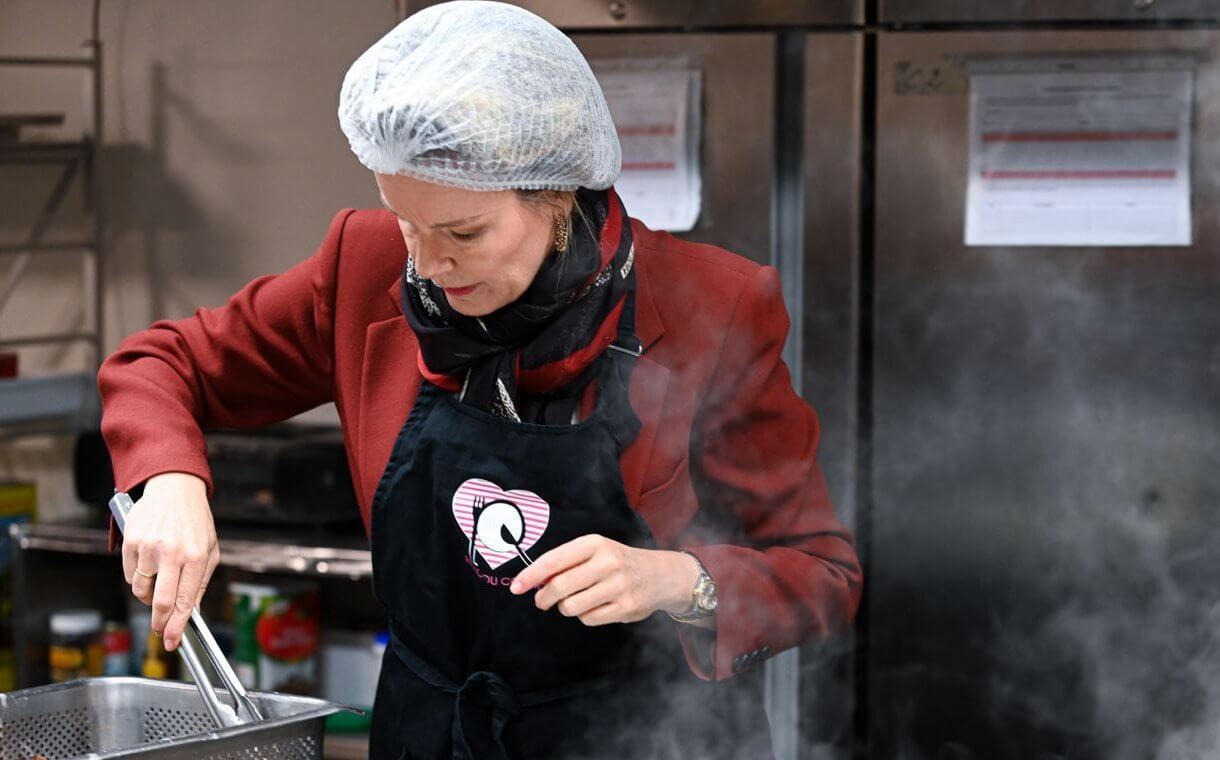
<point>614,377</point>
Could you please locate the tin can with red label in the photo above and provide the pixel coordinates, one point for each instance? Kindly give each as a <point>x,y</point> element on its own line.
<point>116,649</point>
<point>275,636</point>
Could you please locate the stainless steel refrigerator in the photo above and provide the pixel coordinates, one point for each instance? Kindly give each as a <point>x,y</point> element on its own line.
<point>1045,437</point>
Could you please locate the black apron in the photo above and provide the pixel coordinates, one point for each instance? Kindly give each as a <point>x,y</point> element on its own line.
<point>474,672</point>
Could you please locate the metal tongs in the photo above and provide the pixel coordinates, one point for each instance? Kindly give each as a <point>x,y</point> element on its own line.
<point>244,710</point>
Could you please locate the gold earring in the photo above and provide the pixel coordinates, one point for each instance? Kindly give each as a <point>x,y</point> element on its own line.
<point>562,232</point>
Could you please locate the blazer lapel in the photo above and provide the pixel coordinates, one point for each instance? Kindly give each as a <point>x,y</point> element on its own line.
<point>389,382</point>
<point>649,382</point>
<point>648,325</point>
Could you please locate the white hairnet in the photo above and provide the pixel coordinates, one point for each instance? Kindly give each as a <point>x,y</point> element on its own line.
<point>480,95</point>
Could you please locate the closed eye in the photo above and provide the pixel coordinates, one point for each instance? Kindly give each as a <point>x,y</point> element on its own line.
<point>465,236</point>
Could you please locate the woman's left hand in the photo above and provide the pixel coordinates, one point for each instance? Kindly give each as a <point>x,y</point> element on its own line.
<point>602,581</point>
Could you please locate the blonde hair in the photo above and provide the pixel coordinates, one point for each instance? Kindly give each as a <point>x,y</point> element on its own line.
<point>558,201</point>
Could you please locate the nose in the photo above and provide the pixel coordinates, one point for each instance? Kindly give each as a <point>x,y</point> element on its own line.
<point>430,262</point>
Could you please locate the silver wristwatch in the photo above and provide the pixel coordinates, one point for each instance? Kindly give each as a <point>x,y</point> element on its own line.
<point>703,597</point>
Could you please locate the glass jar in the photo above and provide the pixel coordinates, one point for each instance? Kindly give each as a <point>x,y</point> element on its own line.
<point>76,644</point>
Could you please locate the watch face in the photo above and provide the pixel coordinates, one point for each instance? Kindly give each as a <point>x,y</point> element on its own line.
<point>705,595</point>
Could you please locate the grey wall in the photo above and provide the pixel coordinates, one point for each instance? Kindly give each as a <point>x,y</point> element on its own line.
<point>222,155</point>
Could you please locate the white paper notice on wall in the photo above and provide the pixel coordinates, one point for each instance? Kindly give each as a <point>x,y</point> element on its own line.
<point>655,105</point>
<point>1076,158</point>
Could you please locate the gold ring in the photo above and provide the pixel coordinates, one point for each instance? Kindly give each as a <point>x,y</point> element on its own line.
<point>144,574</point>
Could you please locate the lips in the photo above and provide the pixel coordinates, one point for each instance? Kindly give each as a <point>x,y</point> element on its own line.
<point>458,292</point>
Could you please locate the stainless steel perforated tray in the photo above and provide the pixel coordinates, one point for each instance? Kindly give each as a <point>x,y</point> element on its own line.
<point>145,718</point>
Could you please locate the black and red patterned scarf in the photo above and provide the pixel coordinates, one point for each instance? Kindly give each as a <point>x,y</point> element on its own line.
<point>530,360</point>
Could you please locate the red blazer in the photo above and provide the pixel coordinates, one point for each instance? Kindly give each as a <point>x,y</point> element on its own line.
<point>724,465</point>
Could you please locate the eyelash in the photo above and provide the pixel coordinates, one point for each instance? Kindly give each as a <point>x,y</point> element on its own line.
<point>463,237</point>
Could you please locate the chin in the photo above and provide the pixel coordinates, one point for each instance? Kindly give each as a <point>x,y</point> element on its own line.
<point>483,303</point>
<point>472,309</point>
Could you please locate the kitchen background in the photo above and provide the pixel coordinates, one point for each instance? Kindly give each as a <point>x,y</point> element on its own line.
<point>1013,342</point>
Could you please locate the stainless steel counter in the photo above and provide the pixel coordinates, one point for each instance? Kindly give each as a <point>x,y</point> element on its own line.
<point>256,556</point>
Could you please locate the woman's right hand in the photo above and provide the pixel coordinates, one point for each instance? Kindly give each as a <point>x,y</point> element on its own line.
<point>170,540</point>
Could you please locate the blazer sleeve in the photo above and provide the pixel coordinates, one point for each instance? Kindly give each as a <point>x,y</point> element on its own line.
<point>784,567</point>
<point>264,356</point>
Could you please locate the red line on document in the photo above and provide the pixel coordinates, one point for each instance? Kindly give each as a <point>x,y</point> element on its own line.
<point>645,130</point>
<point>1000,137</point>
<point>649,165</point>
<point>1100,174</point>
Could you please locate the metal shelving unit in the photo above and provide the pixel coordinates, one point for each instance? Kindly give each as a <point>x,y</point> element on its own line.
<point>256,556</point>
<point>69,565</point>
<point>65,402</point>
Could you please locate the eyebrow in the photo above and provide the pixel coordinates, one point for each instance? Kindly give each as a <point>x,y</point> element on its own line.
<point>440,225</point>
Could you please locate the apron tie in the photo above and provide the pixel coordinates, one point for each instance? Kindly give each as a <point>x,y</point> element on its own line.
<point>484,704</point>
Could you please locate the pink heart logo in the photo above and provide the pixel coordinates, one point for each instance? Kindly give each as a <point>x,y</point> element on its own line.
<point>499,525</point>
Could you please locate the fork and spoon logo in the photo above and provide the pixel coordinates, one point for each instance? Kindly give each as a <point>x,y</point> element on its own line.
<point>499,525</point>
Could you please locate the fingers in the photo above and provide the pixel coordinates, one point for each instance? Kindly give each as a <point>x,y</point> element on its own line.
<point>164,595</point>
<point>591,598</point>
<point>129,561</point>
<point>145,561</point>
<point>595,579</point>
<point>608,601</point>
<point>610,613</point>
<point>213,561</point>
<point>190,581</point>
<point>142,588</point>
<point>176,588</point>
<point>556,561</point>
<point>572,581</point>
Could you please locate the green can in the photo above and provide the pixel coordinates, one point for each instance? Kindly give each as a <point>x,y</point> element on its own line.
<point>275,636</point>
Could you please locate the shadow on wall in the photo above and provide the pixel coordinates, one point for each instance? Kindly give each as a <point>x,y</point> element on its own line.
<point>159,231</point>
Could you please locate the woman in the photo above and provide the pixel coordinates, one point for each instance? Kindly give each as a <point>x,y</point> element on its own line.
<point>560,423</point>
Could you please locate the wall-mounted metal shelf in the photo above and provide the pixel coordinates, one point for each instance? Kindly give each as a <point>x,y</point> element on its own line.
<point>52,60</point>
<point>48,338</point>
<point>68,398</point>
<point>65,246</point>
<point>61,403</point>
<point>45,152</point>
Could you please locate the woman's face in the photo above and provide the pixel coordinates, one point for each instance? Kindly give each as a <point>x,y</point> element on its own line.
<point>482,248</point>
